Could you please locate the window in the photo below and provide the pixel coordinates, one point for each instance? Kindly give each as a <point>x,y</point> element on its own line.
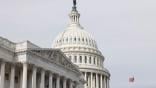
<point>16,79</point>
<point>85,59</point>
<point>75,59</point>
<point>66,39</point>
<point>79,39</point>
<point>90,60</point>
<point>80,59</point>
<point>94,60</point>
<point>70,39</point>
<point>97,61</point>
<point>7,76</point>
<point>75,39</point>
<point>86,40</point>
<point>83,39</point>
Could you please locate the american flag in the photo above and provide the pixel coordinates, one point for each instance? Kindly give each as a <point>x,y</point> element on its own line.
<point>131,79</point>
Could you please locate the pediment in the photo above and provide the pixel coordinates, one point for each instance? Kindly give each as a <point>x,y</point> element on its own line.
<point>56,56</point>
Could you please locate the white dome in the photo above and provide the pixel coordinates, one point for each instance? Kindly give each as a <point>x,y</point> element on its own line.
<point>75,35</point>
<point>81,48</point>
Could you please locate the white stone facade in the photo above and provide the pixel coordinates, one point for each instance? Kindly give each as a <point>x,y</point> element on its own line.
<point>81,48</point>
<point>25,65</point>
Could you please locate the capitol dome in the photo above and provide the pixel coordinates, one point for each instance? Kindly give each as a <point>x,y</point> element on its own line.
<point>81,49</point>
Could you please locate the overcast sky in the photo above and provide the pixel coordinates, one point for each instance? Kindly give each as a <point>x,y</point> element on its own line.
<point>125,31</point>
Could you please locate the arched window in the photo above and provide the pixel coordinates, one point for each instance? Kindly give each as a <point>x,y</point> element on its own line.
<point>97,61</point>
<point>75,39</point>
<point>83,39</point>
<point>86,41</point>
<point>75,59</point>
<point>85,59</point>
<point>79,39</point>
<point>94,60</point>
<point>80,59</point>
<point>90,60</point>
<point>66,39</point>
<point>70,39</point>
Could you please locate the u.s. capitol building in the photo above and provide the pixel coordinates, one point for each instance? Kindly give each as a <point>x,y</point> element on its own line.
<point>74,61</point>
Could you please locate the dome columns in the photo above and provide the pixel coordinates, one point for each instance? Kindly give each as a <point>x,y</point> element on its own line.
<point>74,17</point>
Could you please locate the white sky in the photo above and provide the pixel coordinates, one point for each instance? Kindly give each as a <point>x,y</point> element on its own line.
<point>125,31</point>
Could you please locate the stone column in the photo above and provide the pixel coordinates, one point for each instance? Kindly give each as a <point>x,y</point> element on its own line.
<point>101,82</point>
<point>91,80</point>
<point>92,60</point>
<point>58,82</point>
<point>64,83</point>
<point>50,80</point>
<point>12,77</point>
<point>20,78</point>
<point>97,81</point>
<point>85,75</point>
<point>2,75</point>
<point>71,84</point>
<point>78,59</point>
<point>105,82</point>
<point>72,59</point>
<point>76,85</point>
<point>34,71</point>
<point>42,84</point>
<point>108,83</point>
<point>83,59</point>
<point>25,71</point>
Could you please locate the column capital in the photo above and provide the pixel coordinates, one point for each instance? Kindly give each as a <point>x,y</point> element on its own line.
<point>64,78</point>
<point>58,75</point>
<point>2,61</point>
<point>50,72</point>
<point>24,62</point>
<point>76,83</point>
<point>13,64</point>
<point>33,65</point>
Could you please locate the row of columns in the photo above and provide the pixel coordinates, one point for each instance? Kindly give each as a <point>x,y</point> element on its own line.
<point>96,80</point>
<point>24,77</point>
